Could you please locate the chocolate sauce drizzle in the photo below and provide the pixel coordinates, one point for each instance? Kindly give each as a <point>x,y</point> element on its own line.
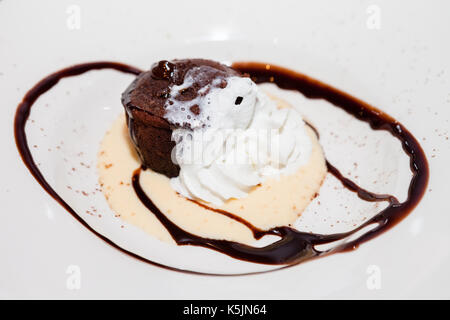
<point>293,246</point>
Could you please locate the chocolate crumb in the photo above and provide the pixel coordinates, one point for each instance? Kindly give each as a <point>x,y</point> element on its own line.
<point>195,109</point>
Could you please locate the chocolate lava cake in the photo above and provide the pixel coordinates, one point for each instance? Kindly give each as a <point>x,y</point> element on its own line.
<point>146,99</point>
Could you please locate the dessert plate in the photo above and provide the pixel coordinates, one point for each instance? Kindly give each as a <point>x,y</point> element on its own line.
<point>68,122</point>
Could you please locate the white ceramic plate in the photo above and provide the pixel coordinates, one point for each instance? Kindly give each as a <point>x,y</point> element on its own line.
<point>374,52</point>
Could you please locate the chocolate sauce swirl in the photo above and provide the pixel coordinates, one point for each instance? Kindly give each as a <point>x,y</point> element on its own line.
<point>293,246</point>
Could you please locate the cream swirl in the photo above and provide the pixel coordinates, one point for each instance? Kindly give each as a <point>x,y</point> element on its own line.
<point>238,138</point>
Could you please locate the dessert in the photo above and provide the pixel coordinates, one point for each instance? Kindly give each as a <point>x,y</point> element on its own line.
<point>292,245</point>
<point>146,99</point>
<point>211,129</point>
<point>200,105</point>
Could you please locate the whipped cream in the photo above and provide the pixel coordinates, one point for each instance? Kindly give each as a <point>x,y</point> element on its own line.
<point>233,140</point>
